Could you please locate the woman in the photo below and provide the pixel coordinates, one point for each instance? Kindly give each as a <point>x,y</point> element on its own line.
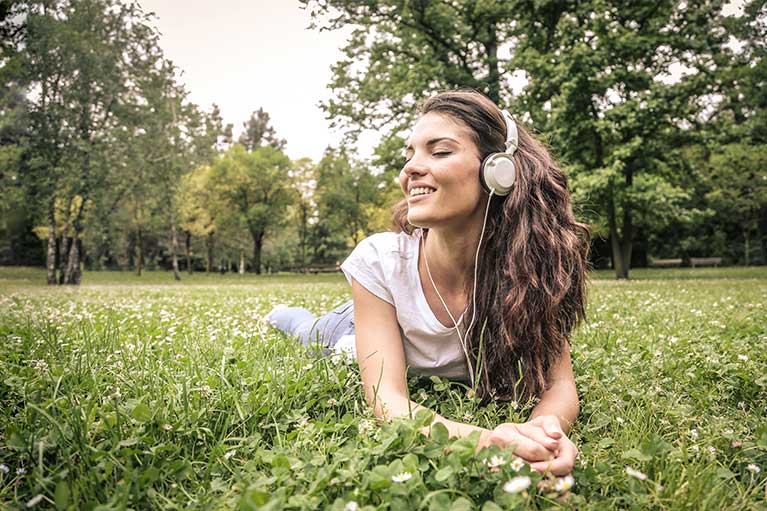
<point>487,235</point>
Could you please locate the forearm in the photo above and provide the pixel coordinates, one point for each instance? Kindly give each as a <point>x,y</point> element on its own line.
<point>390,406</point>
<point>560,400</point>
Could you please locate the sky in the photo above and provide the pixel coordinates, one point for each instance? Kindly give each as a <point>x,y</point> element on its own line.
<point>246,54</point>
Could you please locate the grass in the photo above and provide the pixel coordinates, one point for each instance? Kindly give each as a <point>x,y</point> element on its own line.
<point>130,393</point>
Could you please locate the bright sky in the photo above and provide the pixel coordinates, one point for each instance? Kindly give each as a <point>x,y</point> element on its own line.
<point>246,54</point>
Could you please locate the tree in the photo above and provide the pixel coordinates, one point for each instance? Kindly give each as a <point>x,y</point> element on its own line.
<point>258,132</point>
<point>737,175</point>
<point>80,57</point>
<point>401,52</point>
<point>304,208</point>
<point>255,187</point>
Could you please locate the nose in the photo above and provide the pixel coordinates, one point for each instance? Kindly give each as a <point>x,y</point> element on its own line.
<point>414,166</point>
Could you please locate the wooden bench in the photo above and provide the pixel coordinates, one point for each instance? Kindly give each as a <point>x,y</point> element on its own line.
<point>666,263</point>
<point>705,261</point>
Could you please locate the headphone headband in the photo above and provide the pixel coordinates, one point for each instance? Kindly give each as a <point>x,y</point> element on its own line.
<point>512,136</point>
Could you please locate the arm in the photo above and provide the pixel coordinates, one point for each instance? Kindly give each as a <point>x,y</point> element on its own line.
<point>381,358</point>
<point>561,398</point>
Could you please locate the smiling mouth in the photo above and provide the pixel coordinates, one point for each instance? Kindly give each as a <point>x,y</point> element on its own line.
<point>417,192</point>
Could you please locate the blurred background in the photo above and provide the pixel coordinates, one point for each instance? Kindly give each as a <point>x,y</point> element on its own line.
<point>267,136</point>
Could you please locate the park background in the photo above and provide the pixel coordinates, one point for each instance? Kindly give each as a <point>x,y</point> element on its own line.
<point>137,390</point>
<point>656,113</point>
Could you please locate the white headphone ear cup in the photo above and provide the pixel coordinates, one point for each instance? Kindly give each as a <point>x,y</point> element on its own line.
<point>498,173</point>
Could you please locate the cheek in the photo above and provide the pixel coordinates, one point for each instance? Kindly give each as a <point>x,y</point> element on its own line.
<point>402,180</point>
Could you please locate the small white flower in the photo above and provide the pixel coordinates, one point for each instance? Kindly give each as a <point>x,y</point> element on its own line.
<point>167,427</point>
<point>620,420</point>
<point>517,464</point>
<point>695,448</point>
<point>21,471</point>
<point>496,461</point>
<point>467,416</point>
<point>332,402</point>
<point>517,484</point>
<point>564,483</point>
<point>308,366</point>
<point>729,431</point>
<point>636,473</point>
<point>754,469</point>
<point>351,506</point>
<point>229,454</point>
<point>35,500</point>
<point>743,358</point>
<point>514,405</point>
<point>694,434</point>
<point>402,477</point>
<point>711,449</point>
<point>4,468</point>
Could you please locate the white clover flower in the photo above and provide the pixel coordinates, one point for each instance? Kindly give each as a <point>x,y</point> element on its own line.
<point>167,427</point>
<point>514,405</point>
<point>564,483</point>
<point>351,506</point>
<point>619,420</point>
<point>21,471</point>
<point>332,402</point>
<point>496,461</point>
<point>636,473</point>
<point>517,464</point>
<point>729,431</point>
<point>364,426</point>
<point>743,358</point>
<point>711,449</point>
<point>307,366</point>
<point>229,454</point>
<point>754,469</point>
<point>517,484</point>
<point>695,448</point>
<point>694,434</point>
<point>402,477</point>
<point>4,468</point>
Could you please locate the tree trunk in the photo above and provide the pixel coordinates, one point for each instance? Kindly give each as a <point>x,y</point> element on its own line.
<point>493,73</point>
<point>242,262</point>
<point>64,252</point>
<point>139,251</point>
<point>174,249</point>
<point>188,245</point>
<point>72,274</point>
<point>747,238</point>
<point>209,262</point>
<point>51,255</point>
<point>616,245</point>
<point>258,239</point>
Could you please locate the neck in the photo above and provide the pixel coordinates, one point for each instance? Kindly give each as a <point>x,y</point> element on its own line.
<point>451,255</point>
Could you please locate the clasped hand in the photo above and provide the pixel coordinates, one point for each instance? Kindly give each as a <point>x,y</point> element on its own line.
<point>540,442</point>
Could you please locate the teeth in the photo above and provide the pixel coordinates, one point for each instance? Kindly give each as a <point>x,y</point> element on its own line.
<point>420,191</point>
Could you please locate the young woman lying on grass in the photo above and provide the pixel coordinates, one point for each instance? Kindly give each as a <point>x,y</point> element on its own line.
<point>422,306</point>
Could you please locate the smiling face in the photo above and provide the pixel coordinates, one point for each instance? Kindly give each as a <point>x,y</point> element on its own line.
<point>440,178</point>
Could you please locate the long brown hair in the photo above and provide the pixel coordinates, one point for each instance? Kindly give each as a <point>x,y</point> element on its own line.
<point>531,278</point>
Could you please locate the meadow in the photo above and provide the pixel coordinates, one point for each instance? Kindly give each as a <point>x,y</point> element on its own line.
<point>142,393</point>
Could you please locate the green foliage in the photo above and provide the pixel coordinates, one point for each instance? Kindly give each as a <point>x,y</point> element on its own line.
<point>130,394</point>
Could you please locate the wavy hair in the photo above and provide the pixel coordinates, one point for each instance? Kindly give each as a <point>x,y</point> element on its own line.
<point>531,279</point>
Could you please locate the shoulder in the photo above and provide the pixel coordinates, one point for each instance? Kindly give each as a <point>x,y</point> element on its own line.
<point>390,243</point>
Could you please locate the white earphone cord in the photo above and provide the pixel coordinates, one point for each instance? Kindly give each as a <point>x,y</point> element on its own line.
<point>473,293</point>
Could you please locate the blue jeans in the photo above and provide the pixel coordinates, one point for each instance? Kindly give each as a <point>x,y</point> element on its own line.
<point>309,329</point>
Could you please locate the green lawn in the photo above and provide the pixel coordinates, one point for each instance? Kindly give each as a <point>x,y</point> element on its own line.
<point>137,393</point>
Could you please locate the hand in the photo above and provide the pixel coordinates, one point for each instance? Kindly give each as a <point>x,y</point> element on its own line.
<point>527,448</point>
<point>564,458</point>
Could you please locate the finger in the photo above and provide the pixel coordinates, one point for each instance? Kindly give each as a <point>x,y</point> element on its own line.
<point>550,425</point>
<point>559,466</point>
<point>539,435</point>
<point>526,448</point>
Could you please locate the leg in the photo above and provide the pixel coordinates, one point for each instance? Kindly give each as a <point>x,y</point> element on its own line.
<point>327,329</point>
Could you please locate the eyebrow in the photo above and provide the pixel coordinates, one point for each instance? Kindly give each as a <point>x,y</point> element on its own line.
<point>432,142</point>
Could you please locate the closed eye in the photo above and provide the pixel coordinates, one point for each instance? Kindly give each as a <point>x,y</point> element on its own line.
<point>443,153</point>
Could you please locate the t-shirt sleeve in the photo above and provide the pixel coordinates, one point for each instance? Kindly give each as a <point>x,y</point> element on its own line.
<point>366,265</point>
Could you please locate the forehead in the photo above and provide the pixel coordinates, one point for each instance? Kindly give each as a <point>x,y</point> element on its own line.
<point>437,125</point>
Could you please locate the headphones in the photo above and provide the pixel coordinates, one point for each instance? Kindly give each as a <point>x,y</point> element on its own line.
<point>497,172</point>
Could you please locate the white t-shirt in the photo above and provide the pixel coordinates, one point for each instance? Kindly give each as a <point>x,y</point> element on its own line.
<point>386,264</point>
